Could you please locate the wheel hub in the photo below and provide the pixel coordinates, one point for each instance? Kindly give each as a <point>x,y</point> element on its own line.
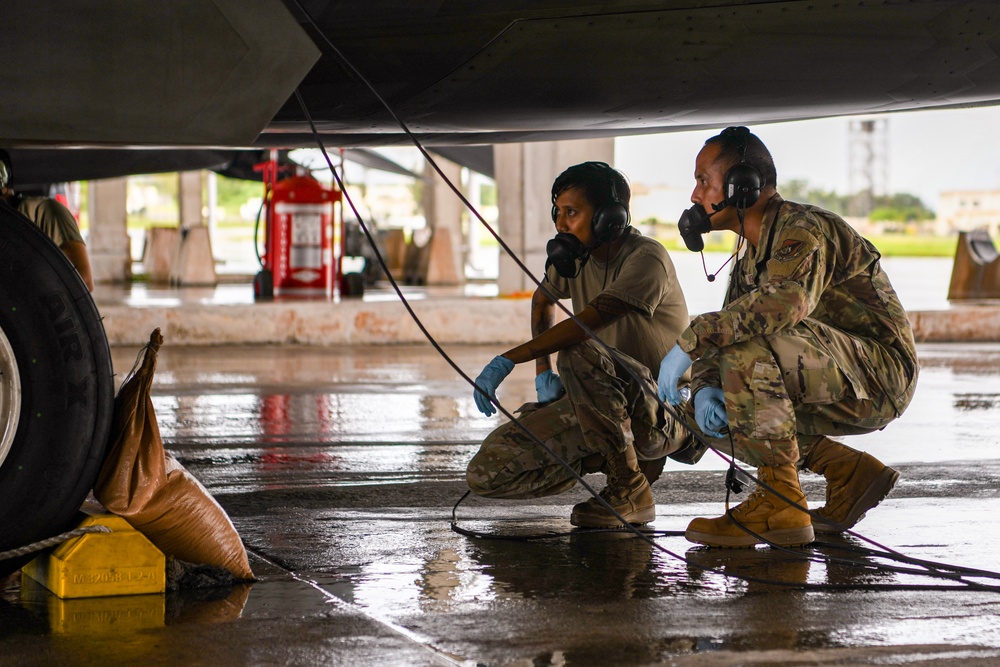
<point>10,396</point>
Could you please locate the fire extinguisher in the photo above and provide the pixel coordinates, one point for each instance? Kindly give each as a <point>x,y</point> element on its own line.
<point>300,224</point>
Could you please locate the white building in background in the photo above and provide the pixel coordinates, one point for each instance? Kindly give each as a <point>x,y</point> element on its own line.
<point>964,210</point>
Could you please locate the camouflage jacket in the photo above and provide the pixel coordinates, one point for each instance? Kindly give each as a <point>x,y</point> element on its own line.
<point>811,265</point>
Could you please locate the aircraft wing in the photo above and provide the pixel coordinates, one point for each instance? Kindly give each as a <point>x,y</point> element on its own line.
<point>460,74</point>
<point>221,73</point>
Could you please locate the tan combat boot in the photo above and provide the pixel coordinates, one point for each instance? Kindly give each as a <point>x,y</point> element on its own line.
<point>764,513</point>
<point>627,491</point>
<point>855,483</point>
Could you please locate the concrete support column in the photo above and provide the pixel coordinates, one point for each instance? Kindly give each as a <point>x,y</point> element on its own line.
<point>195,263</point>
<point>212,192</point>
<point>108,244</point>
<point>446,265</point>
<point>472,249</point>
<point>189,200</point>
<point>524,175</point>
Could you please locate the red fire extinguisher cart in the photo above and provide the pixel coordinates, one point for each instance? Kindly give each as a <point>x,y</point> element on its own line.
<point>301,223</point>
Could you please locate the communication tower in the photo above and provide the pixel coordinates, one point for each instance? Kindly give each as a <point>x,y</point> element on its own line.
<point>868,158</point>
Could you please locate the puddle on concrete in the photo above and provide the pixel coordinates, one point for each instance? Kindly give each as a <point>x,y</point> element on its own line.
<point>226,397</point>
<point>27,607</point>
<point>280,419</point>
<point>344,464</point>
<point>317,465</point>
<point>418,576</point>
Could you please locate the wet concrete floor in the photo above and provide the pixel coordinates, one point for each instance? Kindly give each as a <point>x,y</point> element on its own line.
<point>340,468</point>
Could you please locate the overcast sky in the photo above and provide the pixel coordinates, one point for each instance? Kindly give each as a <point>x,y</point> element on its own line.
<point>929,152</point>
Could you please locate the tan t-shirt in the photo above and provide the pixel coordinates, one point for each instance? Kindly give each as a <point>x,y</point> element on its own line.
<point>642,275</point>
<point>51,217</point>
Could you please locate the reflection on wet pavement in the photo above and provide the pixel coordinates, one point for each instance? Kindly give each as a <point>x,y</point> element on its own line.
<point>340,467</point>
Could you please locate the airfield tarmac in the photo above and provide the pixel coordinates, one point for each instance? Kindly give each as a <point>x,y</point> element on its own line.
<point>340,468</point>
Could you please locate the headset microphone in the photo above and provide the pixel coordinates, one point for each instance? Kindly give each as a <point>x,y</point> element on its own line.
<point>567,254</point>
<point>694,222</point>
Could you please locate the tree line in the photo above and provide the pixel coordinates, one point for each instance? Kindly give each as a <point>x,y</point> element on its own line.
<point>897,207</point>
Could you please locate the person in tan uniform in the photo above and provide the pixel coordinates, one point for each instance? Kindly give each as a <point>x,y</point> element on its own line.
<point>600,412</point>
<point>811,342</point>
<point>52,218</point>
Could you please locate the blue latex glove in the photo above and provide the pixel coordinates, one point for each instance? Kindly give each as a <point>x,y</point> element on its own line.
<point>549,387</point>
<point>672,368</point>
<point>488,381</point>
<point>710,411</point>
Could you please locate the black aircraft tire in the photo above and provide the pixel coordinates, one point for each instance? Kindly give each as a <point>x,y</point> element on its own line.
<point>49,327</point>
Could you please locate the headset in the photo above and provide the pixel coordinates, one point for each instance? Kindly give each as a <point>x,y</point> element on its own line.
<point>742,181</point>
<point>565,251</point>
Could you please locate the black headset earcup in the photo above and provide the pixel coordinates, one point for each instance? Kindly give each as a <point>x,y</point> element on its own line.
<point>609,220</point>
<point>742,185</point>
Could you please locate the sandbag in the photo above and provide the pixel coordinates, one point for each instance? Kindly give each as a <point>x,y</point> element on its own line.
<point>143,483</point>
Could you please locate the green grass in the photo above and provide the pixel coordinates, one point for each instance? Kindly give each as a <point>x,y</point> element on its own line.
<point>890,245</point>
<point>906,245</point>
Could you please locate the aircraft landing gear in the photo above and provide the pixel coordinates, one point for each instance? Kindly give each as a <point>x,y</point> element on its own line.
<point>56,387</point>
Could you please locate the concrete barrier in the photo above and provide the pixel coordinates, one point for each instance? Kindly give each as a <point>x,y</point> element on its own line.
<point>194,264</point>
<point>349,322</point>
<point>965,323</point>
<point>452,321</point>
<point>160,253</point>
<point>976,272</point>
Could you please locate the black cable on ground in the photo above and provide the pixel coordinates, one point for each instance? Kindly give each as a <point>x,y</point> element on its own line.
<point>932,569</point>
<point>625,525</point>
<point>430,338</point>
<point>935,573</point>
<point>876,553</point>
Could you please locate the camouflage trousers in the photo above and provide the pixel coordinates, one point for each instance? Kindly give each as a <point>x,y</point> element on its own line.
<point>785,391</point>
<point>605,410</point>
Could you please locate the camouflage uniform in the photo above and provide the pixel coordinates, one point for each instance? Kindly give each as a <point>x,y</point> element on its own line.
<point>811,340</point>
<point>612,411</point>
<point>605,408</point>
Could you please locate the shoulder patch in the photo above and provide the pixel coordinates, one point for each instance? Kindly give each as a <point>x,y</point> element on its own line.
<point>789,250</point>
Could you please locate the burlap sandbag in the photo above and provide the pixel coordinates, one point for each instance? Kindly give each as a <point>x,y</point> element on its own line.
<point>143,483</point>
